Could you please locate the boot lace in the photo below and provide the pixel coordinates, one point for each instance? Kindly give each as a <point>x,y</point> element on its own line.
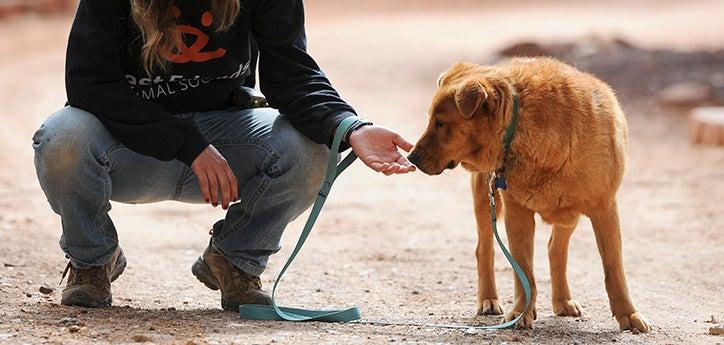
<point>94,276</point>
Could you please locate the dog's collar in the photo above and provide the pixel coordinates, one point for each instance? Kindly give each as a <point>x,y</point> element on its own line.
<point>499,180</point>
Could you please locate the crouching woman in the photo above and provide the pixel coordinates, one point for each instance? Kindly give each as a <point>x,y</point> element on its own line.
<point>153,115</point>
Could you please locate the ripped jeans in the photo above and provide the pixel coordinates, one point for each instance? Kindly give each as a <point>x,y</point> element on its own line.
<point>81,167</point>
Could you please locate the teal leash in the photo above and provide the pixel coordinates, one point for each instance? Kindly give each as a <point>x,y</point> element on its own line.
<point>353,315</point>
<point>276,312</point>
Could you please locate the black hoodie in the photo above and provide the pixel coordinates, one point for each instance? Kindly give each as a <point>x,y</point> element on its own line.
<point>105,77</point>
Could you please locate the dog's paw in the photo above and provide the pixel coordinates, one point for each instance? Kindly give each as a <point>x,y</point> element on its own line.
<point>489,307</point>
<point>525,322</point>
<point>567,308</point>
<point>635,322</point>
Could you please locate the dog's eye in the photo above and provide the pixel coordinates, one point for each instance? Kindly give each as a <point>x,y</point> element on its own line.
<point>439,124</point>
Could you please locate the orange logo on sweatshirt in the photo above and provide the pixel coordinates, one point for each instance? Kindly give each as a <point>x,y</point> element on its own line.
<point>194,52</point>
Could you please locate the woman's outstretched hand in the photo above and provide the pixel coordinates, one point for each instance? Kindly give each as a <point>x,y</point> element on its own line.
<point>377,147</point>
<point>215,176</point>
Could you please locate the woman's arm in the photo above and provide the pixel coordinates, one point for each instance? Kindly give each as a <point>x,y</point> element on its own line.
<point>290,78</point>
<point>293,83</point>
<point>95,82</point>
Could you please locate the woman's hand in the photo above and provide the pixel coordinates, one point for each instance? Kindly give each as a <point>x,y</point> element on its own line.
<point>214,173</point>
<point>377,147</point>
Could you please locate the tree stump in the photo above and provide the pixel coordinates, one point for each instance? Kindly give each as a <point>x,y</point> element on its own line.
<point>706,126</point>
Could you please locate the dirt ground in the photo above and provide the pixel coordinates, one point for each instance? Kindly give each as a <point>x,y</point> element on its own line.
<point>402,248</point>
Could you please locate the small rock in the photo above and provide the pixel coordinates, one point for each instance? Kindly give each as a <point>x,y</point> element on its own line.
<point>45,290</point>
<point>471,331</point>
<point>717,330</point>
<point>415,292</point>
<point>74,329</point>
<point>141,338</point>
<point>68,321</point>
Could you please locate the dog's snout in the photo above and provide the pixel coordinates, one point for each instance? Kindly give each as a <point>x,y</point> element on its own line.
<point>414,157</point>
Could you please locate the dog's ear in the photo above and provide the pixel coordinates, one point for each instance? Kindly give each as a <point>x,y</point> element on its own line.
<point>469,98</point>
<point>455,71</point>
<point>440,78</point>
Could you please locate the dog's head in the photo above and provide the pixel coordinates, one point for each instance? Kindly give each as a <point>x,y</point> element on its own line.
<point>466,121</point>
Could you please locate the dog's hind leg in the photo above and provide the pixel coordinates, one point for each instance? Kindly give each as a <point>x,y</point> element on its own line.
<point>608,238</point>
<point>488,303</point>
<point>520,227</point>
<point>563,305</point>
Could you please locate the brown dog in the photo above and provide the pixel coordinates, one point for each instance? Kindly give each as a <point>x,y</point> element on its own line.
<point>566,159</point>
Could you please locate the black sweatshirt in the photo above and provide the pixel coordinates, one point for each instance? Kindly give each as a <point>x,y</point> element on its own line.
<point>105,77</point>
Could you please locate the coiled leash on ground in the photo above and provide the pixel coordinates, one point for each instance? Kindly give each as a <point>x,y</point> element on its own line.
<point>276,312</point>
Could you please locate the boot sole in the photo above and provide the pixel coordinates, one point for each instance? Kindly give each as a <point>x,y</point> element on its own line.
<point>81,298</point>
<point>202,272</point>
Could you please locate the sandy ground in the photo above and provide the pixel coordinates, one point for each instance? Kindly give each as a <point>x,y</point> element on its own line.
<point>402,248</point>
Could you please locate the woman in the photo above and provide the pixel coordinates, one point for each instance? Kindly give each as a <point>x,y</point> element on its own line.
<point>151,116</point>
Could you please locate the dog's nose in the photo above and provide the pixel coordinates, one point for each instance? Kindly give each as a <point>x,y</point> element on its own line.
<point>414,157</point>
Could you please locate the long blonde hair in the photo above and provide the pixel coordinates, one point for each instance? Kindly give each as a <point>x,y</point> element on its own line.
<point>157,23</point>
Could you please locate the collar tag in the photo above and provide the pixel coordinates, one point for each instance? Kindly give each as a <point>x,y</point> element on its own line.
<point>500,182</point>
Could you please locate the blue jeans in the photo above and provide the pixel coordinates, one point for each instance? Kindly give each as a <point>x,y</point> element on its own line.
<point>81,167</point>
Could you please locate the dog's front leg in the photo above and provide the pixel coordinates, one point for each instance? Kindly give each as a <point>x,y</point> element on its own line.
<point>520,227</point>
<point>608,238</point>
<point>488,303</point>
<point>563,304</point>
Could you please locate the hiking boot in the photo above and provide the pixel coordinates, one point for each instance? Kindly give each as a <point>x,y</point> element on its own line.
<point>237,287</point>
<point>91,287</point>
